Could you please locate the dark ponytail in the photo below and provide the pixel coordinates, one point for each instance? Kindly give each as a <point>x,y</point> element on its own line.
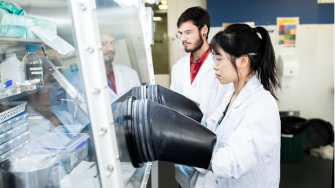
<point>241,39</point>
<point>267,72</point>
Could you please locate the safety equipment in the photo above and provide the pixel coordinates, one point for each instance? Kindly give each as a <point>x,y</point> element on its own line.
<point>147,131</point>
<point>208,92</point>
<point>248,139</point>
<point>168,98</point>
<point>186,170</point>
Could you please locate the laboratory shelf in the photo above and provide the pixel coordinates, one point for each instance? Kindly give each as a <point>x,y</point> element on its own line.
<point>20,40</point>
<point>23,94</point>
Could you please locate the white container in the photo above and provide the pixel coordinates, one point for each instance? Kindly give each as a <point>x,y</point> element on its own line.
<point>12,68</point>
<point>288,65</point>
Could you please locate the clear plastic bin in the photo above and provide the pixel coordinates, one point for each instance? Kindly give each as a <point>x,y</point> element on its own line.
<point>8,135</point>
<point>72,157</point>
<point>21,138</point>
<point>5,126</point>
<point>2,157</point>
<point>2,149</point>
<point>2,128</point>
<point>19,119</point>
<point>72,148</point>
<point>2,138</point>
<point>17,148</point>
<point>9,145</point>
<point>8,125</point>
<point>13,122</point>
<point>20,129</point>
<point>5,154</point>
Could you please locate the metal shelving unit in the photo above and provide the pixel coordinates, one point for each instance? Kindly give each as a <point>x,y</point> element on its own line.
<point>20,40</point>
<point>24,41</point>
<point>23,94</point>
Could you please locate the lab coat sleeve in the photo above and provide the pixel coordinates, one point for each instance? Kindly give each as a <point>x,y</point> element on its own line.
<point>257,134</point>
<point>201,170</point>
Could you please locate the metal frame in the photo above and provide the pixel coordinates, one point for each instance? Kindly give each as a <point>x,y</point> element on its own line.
<point>143,16</point>
<point>85,25</point>
<point>144,21</point>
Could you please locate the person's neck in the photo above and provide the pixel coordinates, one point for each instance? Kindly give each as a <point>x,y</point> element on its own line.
<point>197,54</point>
<point>108,67</point>
<point>239,83</point>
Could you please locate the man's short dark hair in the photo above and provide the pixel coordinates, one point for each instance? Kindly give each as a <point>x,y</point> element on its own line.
<point>197,15</point>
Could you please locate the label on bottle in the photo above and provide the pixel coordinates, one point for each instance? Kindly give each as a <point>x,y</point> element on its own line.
<point>36,68</point>
<point>37,72</point>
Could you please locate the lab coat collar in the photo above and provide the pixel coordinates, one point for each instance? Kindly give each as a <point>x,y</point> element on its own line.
<point>206,66</point>
<point>251,86</point>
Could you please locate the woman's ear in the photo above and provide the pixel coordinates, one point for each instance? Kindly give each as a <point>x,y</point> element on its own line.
<point>242,62</point>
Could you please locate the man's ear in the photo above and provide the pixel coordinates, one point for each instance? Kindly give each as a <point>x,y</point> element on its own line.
<point>204,30</point>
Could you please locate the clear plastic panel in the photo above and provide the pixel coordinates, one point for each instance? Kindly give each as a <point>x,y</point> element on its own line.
<point>123,49</point>
<point>54,115</point>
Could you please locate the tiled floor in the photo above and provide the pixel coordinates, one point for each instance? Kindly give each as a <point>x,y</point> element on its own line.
<point>312,172</point>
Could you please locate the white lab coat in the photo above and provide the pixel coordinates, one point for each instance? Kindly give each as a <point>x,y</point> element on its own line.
<point>208,92</point>
<point>125,77</point>
<point>247,151</point>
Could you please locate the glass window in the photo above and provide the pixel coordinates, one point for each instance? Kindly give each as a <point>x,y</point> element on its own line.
<point>45,126</point>
<point>124,55</point>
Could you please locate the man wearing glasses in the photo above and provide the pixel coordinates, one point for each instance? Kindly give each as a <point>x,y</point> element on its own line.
<point>120,78</point>
<point>194,77</point>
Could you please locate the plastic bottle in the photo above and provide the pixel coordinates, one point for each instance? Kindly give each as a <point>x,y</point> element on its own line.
<point>33,65</point>
<point>12,68</point>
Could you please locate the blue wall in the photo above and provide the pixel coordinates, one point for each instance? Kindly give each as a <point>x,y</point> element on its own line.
<point>264,12</point>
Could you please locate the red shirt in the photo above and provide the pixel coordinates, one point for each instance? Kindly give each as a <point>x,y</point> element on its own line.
<point>111,79</point>
<point>195,67</point>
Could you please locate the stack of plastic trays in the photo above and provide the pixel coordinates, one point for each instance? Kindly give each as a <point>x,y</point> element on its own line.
<point>13,122</point>
<point>19,120</point>
<point>13,132</point>
<point>14,142</point>
<point>5,126</point>
<point>15,149</point>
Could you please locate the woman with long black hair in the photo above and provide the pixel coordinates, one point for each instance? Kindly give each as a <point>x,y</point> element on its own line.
<point>247,125</point>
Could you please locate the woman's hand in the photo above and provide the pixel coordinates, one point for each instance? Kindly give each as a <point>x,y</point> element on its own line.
<point>209,168</point>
